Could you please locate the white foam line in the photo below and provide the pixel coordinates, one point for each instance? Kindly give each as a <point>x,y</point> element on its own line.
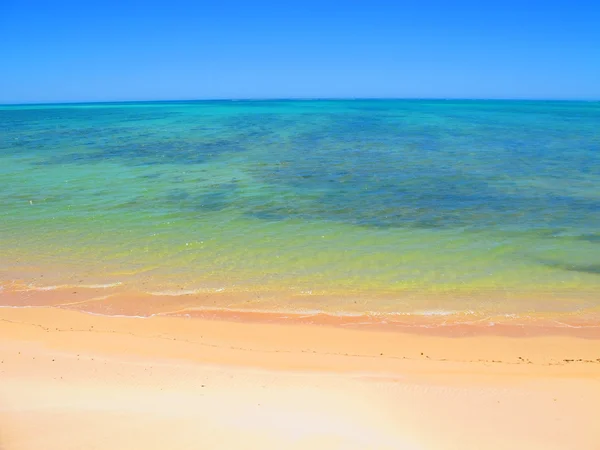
<point>566,325</point>
<point>187,292</point>
<point>208,309</point>
<point>316,312</point>
<point>125,316</point>
<point>438,312</point>
<point>94,299</point>
<point>70,286</point>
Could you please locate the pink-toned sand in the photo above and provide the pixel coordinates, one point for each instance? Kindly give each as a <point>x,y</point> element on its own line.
<point>70,380</point>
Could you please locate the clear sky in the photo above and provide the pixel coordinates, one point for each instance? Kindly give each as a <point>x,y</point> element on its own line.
<point>53,51</point>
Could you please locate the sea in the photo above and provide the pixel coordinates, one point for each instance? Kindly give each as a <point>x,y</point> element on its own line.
<point>431,212</point>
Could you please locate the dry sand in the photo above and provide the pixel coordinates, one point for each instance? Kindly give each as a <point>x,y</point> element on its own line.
<point>70,380</point>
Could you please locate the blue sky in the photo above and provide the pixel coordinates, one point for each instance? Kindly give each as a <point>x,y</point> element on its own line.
<point>55,51</point>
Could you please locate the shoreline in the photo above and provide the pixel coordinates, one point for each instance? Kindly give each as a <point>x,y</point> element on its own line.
<point>115,300</point>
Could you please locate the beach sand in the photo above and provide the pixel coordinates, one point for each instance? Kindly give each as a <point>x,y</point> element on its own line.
<point>72,380</point>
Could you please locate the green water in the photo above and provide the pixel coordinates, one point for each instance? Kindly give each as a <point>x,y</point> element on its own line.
<point>357,199</point>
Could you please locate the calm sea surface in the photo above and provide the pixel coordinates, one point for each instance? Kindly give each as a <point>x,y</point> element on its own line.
<point>379,206</point>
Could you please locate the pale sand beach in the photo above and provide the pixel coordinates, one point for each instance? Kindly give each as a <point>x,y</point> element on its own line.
<point>71,380</point>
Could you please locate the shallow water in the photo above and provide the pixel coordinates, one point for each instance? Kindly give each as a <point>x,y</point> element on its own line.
<point>428,207</point>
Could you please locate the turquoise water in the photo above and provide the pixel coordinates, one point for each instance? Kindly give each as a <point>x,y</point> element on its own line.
<point>384,204</point>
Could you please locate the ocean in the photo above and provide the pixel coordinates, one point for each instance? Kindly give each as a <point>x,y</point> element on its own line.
<point>428,211</point>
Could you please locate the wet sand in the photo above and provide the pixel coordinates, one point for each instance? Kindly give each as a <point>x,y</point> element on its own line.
<point>71,380</point>
<point>423,312</point>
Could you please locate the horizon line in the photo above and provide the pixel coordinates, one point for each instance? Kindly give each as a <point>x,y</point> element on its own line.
<point>265,99</point>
